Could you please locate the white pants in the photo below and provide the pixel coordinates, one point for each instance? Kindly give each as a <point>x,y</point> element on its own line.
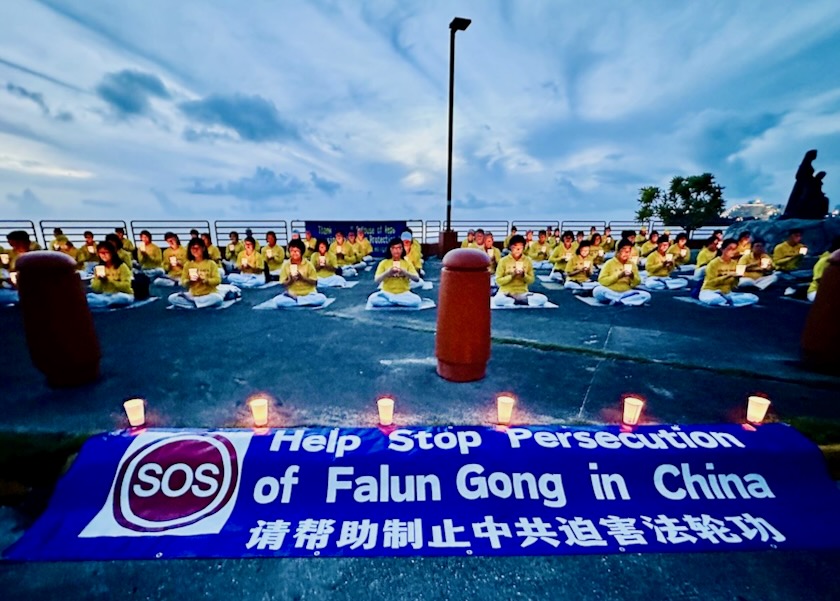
<point>557,276</point>
<point>700,273</point>
<point>313,299</point>
<point>187,300</point>
<point>418,284</point>
<point>658,283</point>
<point>532,299</point>
<point>333,281</point>
<point>761,283</point>
<point>812,296</point>
<point>359,265</point>
<point>572,285</point>
<point>348,271</point>
<point>685,269</point>
<point>247,280</point>
<point>152,274</point>
<point>118,299</point>
<point>542,264</point>
<point>167,281</point>
<point>609,255</point>
<point>632,298</point>
<point>380,298</point>
<point>733,299</point>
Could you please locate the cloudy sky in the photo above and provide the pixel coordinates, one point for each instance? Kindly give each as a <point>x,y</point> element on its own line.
<point>337,108</point>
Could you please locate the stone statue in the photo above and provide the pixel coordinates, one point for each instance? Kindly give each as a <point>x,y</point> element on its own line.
<point>807,200</point>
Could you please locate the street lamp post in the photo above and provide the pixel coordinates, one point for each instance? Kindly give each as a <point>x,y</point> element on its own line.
<point>449,238</point>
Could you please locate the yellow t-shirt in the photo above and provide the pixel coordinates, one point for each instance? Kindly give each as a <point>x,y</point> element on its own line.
<point>514,284</point>
<point>152,258</point>
<point>117,280</point>
<point>250,264</point>
<point>328,268</point>
<point>718,269</point>
<point>705,256</point>
<point>274,256</point>
<point>179,253</point>
<point>393,284</point>
<point>659,266</point>
<point>681,255</point>
<point>561,255</point>
<point>786,256</point>
<point>299,287</point>
<point>819,268</point>
<point>756,267</point>
<point>576,263</point>
<point>209,278</point>
<point>612,276</point>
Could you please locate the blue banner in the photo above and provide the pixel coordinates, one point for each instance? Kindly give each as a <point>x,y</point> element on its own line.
<point>378,232</point>
<point>438,491</point>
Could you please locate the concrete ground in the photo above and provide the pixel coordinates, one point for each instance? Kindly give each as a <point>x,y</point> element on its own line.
<point>327,367</point>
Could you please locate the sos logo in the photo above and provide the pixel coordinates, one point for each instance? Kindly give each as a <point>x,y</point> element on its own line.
<point>175,482</point>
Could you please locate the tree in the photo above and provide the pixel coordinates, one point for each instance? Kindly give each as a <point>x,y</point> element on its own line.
<point>689,203</point>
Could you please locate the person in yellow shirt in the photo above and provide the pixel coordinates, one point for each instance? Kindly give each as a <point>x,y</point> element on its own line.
<point>299,277</point>
<point>174,258</point>
<point>201,278</point>
<point>212,250</point>
<point>648,247</point>
<point>149,256</point>
<point>757,266</point>
<point>619,279</point>
<point>494,255</point>
<point>413,255</point>
<point>596,250</point>
<point>365,247</point>
<point>721,277</point>
<point>514,274</point>
<point>506,242</point>
<point>660,267</point>
<point>681,255</point>
<point>115,241</point>
<point>86,255</point>
<point>111,283</point>
<point>561,255</point>
<point>479,239</point>
<point>58,239</point>
<point>358,263</point>
<point>326,267</point>
<point>470,241</point>
<point>273,254</point>
<point>343,253</point>
<point>580,268</point>
<point>232,251</point>
<point>788,254</point>
<point>705,256</point>
<point>578,239</point>
<point>125,243</point>
<point>251,267</point>
<point>539,252</point>
<point>819,268</point>
<point>744,244</point>
<point>394,276</point>
<point>608,243</point>
<point>20,243</point>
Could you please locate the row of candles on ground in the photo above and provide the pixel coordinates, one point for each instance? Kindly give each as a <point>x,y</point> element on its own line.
<point>632,411</point>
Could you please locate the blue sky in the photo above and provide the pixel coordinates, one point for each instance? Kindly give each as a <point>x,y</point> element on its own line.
<point>335,109</point>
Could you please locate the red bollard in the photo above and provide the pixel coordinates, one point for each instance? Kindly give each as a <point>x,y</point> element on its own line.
<point>56,315</point>
<point>462,343</point>
<point>821,335</point>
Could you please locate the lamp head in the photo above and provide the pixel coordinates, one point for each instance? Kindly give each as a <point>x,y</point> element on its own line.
<point>459,24</point>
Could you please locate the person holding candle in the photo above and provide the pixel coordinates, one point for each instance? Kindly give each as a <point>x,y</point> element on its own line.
<point>788,254</point>
<point>414,255</point>
<point>251,267</point>
<point>819,268</point>
<point>493,254</point>
<point>596,250</point>
<point>705,256</point>
<point>213,251</point>
<point>659,267</point>
<point>174,258</point>
<point>393,275</point>
<point>117,242</point>
<point>149,256</point>
<point>365,247</point>
<point>744,244</point>
<point>648,247</point>
<point>358,263</point>
<point>125,244</point>
<point>343,254</point>
<point>300,280</point>
<point>201,278</point>
<point>326,267</point>
<point>111,283</point>
<point>561,255</point>
<point>311,244</point>
<point>722,275</point>
<point>608,243</point>
<point>681,254</point>
<point>758,268</point>
<point>514,274</point>
<point>470,241</point>
<point>273,254</point>
<point>232,251</point>
<point>619,278</point>
<point>539,252</point>
<point>86,256</point>
<point>20,243</point>
<point>580,268</point>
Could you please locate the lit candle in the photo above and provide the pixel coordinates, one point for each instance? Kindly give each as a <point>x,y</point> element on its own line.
<point>135,409</point>
<point>268,253</point>
<point>740,269</point>
<point>194,274</point>
<point>504,408</point>
<point>259,410</point>
<point>4,258</point>
<point>173,261</point>
<point>386,410</point>
<point>803,250</point>
<point>100,271</point>
<point>141,246</point>
<point>396,265</point>
<point>322,260</point>
<point>756,409</point>
<point>91,248</point>
<point>628,269</point>
<point>293,268</point>
<point>765,262</point>
<point>632,410</point>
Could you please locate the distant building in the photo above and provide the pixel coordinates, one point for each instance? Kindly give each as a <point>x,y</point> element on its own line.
<point>754,209</point>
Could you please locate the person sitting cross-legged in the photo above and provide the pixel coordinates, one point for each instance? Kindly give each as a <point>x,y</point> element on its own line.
<point>232,251</point>
<point>20,243</point>
<point>343,253</point>
<point>365,247</point>
<point>111,283</point>
<point>86,255</point>
<point>757,266</point>
<point>619,278</point>
<point>174,258</point>
<point>356,250</point>
<point>788,254</point>
<point>495,255</point>
<point>414,255</point>
<point>273,254</point>
<point>212,250</point>
<point>326,267</point>
<point>251,267</point>
<point>513,276</point>
<point>540,251</point>
<point>721,277</point>
<point>394,276</point>
<point>596,250</point>
<point>300,280</point>
<point>149,256</point>
<point>561,255</point>
<point>469,242</point>
<point>705,256</point>
<point>579,269</point>
<point>660,266</point>
<point>201,278</point>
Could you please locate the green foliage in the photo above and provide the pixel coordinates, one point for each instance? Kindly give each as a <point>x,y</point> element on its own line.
<point>689,202</point>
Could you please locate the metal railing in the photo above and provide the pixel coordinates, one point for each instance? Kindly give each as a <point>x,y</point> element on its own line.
<point>158,228</point>
<point>577,226</point>
<point>258,230</point>
<point>74,229</point>
<point>535,226</point>
<point>7,227</point>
